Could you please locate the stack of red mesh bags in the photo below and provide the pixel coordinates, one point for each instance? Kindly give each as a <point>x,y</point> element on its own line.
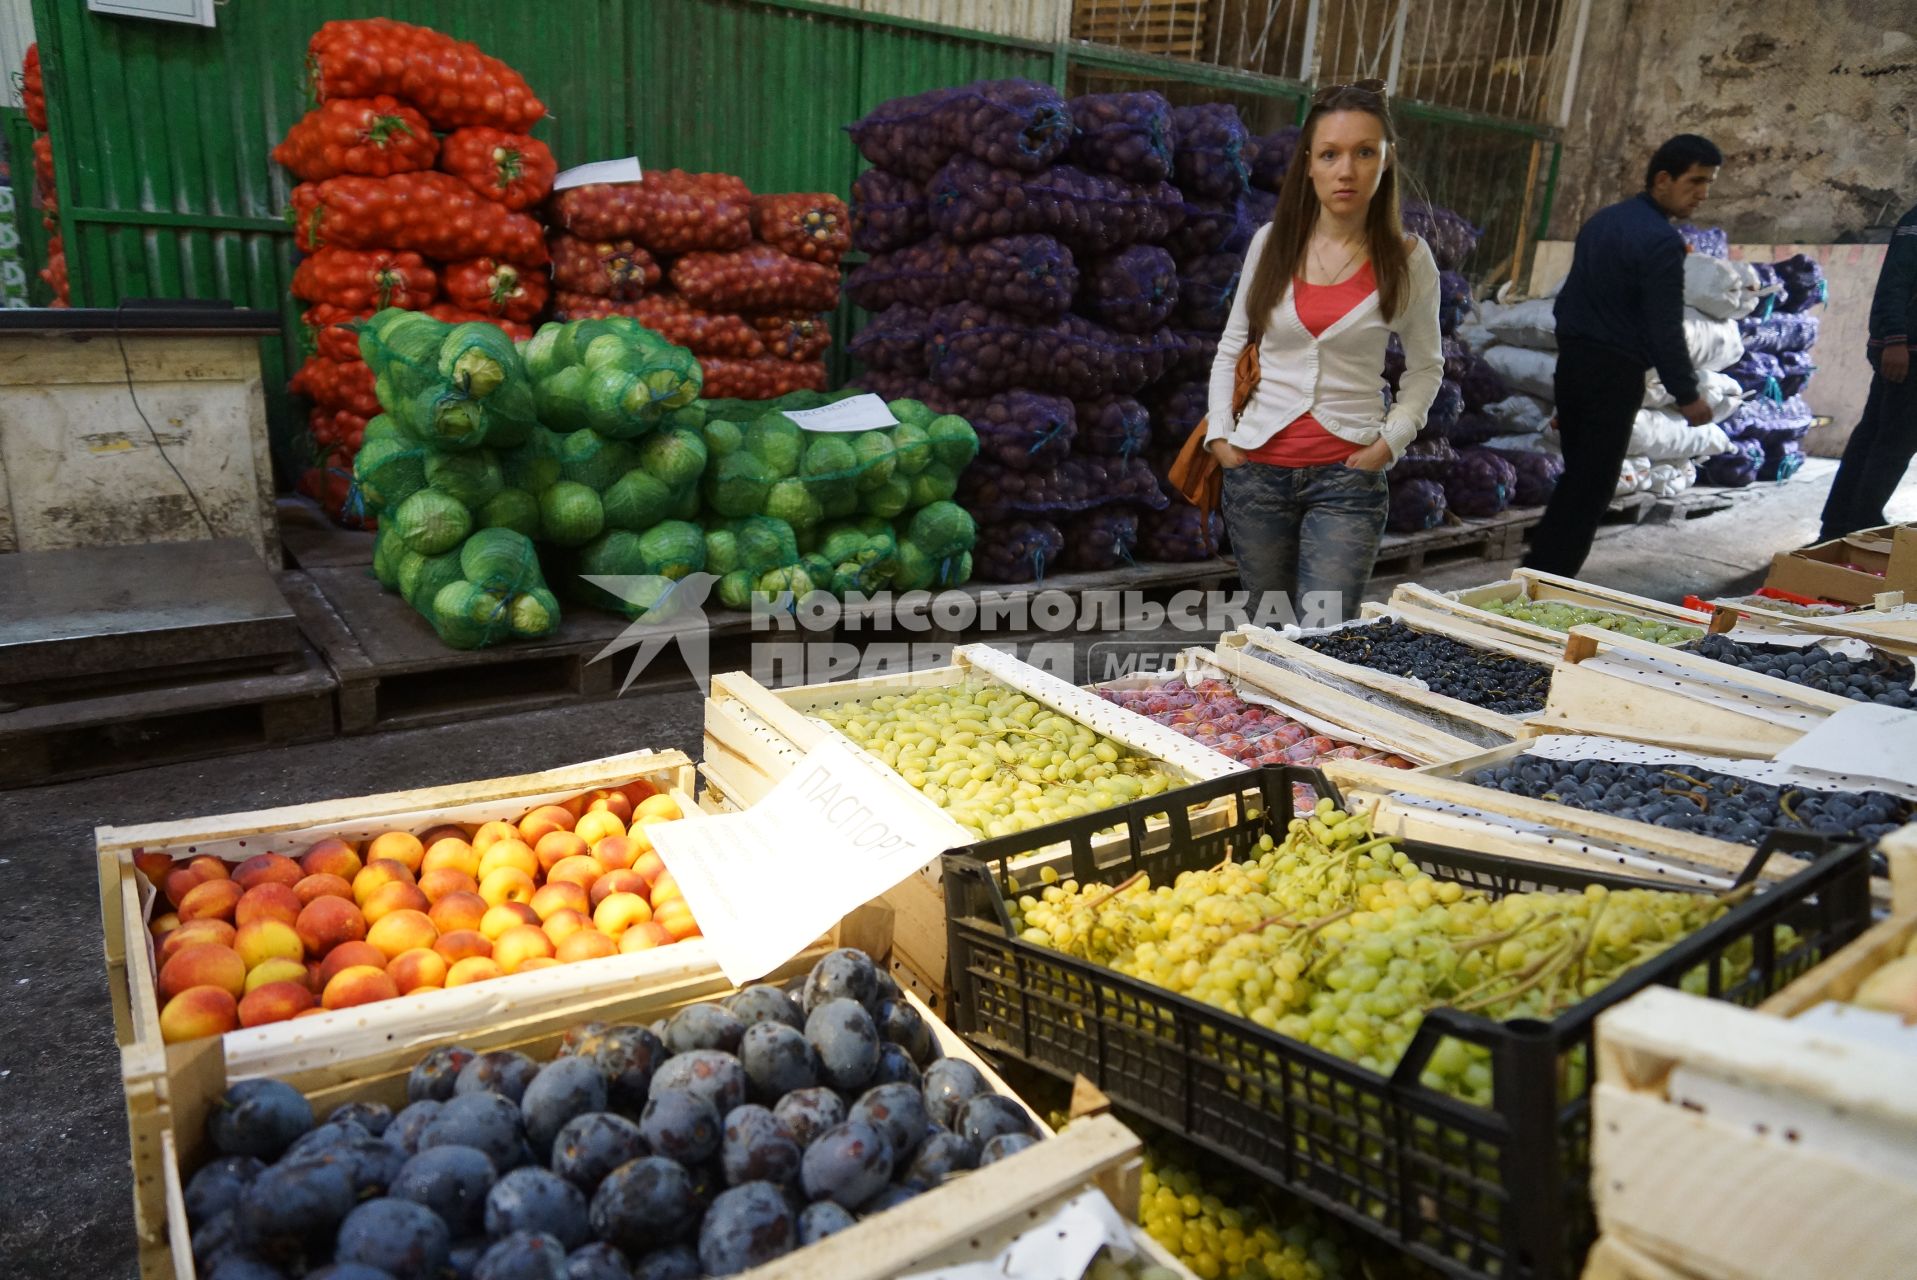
<point>419,188</point>
<point>34,92</point>
<point>744,282</point>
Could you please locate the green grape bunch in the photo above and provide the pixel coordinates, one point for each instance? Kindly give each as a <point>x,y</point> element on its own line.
<point>998,762</point>
<point>1556,615</point>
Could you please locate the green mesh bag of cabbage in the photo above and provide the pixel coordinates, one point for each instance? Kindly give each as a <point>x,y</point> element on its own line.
<point>483,590</point>
<point>611,375</point>
<point>448,386</point>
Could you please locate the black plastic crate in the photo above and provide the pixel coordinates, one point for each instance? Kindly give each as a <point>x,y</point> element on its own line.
<point>1498,1190</point>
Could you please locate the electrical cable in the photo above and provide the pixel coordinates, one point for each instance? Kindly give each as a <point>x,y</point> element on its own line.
<point>126,362</point>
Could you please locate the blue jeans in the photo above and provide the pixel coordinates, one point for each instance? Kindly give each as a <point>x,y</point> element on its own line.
<point>1306,530</point>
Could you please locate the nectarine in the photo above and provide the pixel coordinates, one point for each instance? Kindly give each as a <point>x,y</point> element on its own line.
<point>164,924</point>
<point>507,884</point>
<point>462,910</point>
<point>616,882</point>
<point>613,802</point>
<point>516,854</point>
<point>650,865</point>
<point>491,833</point>
<point>471,969</point>
<point>547,817</point>
<point>440,881</point>
<point>594,827</point>
<point>269,901</point>
<point>401,931</point>
<point>357,985</point>
<point>402,847</point>
<point>192,931</point>
<point>211,899</point>
<point>620,912</point>
<point>665,889</point>
<point>380,871</point>
<point>349,955</point>
<point>676,918</point>
<point>444,831</point>
<point>203,964</point>
<point>536,963</point>
<point>657,806</point>
<point>562,924</point>
<point>644,937</point>
<point>520,943</point>
<point>420,967</point>
<point>461,944</point>
<point>587,944</point>
<point>199,1011</point>
<point>274,1002</point>
<point>616,853</point>
<point>267,971</point>
<point>389,898</point>
<point>268,868</point>
<point>264,940</point>
<point>581,870</point>
<point>208,867</point>
<point>323,884</point>
<point>556,846</point>
<point>154,866</point>
<point>331,857</point>
<point>327,922</point>
<point>506,915</point>
<point>450,855</point>
<point>560,895</point>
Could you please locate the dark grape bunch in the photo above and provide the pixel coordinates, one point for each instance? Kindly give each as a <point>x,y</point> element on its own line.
<point>1687,798</point>
<point>1883,680</point>
<point>705,1145</point>
<point>1509,686</point>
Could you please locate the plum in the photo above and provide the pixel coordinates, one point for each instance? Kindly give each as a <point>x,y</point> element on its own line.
<point>715,1076</point>
<point>704,1026</point>
<point>896,1067</point>
<point>434,1076</point>
<point>849,1164</point>
<point>987,1116</point>
<point>237,1266</point>
<point>890,1198</point>
<point>942,1154</point>
<point>485,1121</point>
<point>747,1226</point>
<point>1005,1144</point>
<point>564,1088</point>
<point>777,1059</point>
<point>591,1146</point>
<point>501,1071</point>
<point>295,1207</point>
<point>949,1084</point>
<point>680,1125</point>
<point>597,1262</point>
<point>847,974</point>
<point>217,1186</point>
<point>451,1181</point>
<point>817,1221</point>
<point>522,1255</point>
<point>331,1136</point>
<point>807,1113</point>
<point>538,1201</point>
<point>757,1148</point>
<point>406,1240</point>
<point>898,1111</point>
<point>763,1003</point>
<point>373,1117</point>
<point>644,1203</point>
<point>675,1262</point>
<point>372,1163</point>
<point>350,1271</point>
<point>260,1118</point>
<point>411,1121</point>
<point>579,1037</point>
<point>628,1056</point>
<point>848,1042</point>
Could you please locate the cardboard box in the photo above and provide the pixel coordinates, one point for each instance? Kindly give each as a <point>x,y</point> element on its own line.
<point>1884,560</point>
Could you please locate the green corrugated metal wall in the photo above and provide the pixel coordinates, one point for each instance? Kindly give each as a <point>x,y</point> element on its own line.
<point>163,133</point>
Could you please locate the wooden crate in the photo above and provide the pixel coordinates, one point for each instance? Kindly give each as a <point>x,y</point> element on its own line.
<point>1530,584</point>
<point>1444,716</point>
<point>1172,27</point>
<point>1883,624</point>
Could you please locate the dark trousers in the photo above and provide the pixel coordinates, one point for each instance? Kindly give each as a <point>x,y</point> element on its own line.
<point>1875,458</point>
<point>1599,391</point>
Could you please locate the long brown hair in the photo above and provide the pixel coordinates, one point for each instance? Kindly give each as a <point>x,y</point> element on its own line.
<point>1297,214</point>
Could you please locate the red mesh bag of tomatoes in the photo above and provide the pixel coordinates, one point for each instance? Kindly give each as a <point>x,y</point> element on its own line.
<point>762,379</point>
<point>755,278</point>
<point>336,384</point>
<point>331,484</point>
<point>335,330</point>
<point>511,168</point>
<point>55,272</point>
<point>366,280</point>
<point>617,269</point>
<point>430,213</point>
<point>43,169</point>
<point>815,226</point>
<point>372,137</point>
<point>668,211</point>
<point>33,89</point>
<point>448,313</point>
<point>496,290</point>
<point>451,81</point>
<point>337,427</point>
<point>704,333</point>
<point>801,337</point>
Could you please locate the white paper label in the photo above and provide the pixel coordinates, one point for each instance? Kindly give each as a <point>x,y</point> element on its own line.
<point>857,413</point>
<point>626,170</point>
<point>1865,740</point>
<point>826,840</point>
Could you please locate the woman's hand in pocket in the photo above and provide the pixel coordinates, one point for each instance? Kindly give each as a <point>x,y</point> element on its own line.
<point>1375,456</point>
<point>1228,455</point>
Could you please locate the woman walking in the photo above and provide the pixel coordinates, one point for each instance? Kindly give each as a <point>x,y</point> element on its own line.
<point>1324,286</point>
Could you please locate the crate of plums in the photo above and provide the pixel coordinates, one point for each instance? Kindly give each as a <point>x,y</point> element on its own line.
<point>1401,1032</point>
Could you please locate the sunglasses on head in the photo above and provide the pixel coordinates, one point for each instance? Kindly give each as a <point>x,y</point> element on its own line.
<point>1324,95</point>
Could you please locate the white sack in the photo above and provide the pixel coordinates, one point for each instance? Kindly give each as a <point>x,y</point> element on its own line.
<point>1523,369</point>
<point>1719,288</point>
<point>1527,324</point>
<point>1663,436</point>
<point>1519,413</point>
<point>1668,479</point>
<point>1720,391</point>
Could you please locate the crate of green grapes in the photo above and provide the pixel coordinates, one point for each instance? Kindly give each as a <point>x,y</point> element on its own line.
<point>1541,608</point>
<point>1400,1032</point>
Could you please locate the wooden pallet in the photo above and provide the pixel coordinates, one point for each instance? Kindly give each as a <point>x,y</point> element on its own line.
<point>1532,584</point>
<point>164,720</point>
<point>1499,538</point>
<point>311,541</point>
<point>1172,27</point>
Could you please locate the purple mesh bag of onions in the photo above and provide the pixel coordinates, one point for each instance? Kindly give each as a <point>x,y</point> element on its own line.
<point>1733,470</point>
<point>1179,534</point>
<point>1796,367</point>
<point>1780,332</point>
<point>1451,238</point>
<point>1394,361</point>
<point>1112,427</point>
<point>1128,135</point>
<point>918,275</point>
<point>1030,275</point>
<point>1176,410</point>
<point>1099,541</point>
<point>1472,428</point>
<point>1192,354</point>
<point>1757,372</point>
<point>1781,460</point>
<point>1479,484</point>
<point>1415,503</point>
<point>1426,458</point>
<point>1013,124</point>
<point>1015,550</point>
<point>970,200</point>
<point>1209,158</point>
<point>888,212</point>
<point>1205,226</point>
<point>1076,484</point>
<point>1133,291</point>
<point>1538,475</point>
<point>1480,384</point>
<point>1454,301</point>
<point>892,341</point>
<point>1803,281</point>
<point>1275,151</point>
<point>1022,430</point>
<point>976,351</point>
<point>1445,408</point>
<point>1205,289</point>
<point>1713,242</point>
<point>899,386</point>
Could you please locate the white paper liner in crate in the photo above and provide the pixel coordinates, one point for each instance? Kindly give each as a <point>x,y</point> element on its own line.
<point>1063,1247</point>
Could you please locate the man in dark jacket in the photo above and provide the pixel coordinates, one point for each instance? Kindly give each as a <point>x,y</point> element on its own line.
<point>1881,447</point>
<point>1620,312</point>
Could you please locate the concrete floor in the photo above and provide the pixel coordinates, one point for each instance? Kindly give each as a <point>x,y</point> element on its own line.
<point>63,1146</point>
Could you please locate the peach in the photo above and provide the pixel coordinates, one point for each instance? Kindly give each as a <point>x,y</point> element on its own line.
<point>636,791</point>
<point>203,964</point>
<point>491,833</point>
<point>587,944</point>
<point>613,802</point>
<point>389,898</point>
<point>657,806</point>
<point>274,1002</point>
<point>556,846</point>
<point>323,884</point>
<point>199,1011</point>
<point>560,895</point>
<point>427,986</point>
<point>313,982</point>
<point>594,827</point>
<point>619,912</point>
<point>506,915</point>
<point>665,889</point>
<point>581,870</point>
<point>463,910</point>
<point>211,899</point>
<point>420,967</point>
<point>472,969</point>
<point>164,924</point>
<point>264,940</point>
<point>381,871</point>
<point>401,931</point>
<point>547,817</point>
<point>327,922</point>
<point>154,866</point>
<point>616,882</point>
<point>507,884</point>
<point>208,867</point>
<point>331,857</point>
<point>616,853</point>
<point>268,868</point>
<point>444,831</point>
<point>450,855</point>
<point>650,865</point>
<point>314,1012</point>
<point>267,971</point>
<point>537,962</point>
<point>644,937</point>
<point>269,901</point>
<point>519,944</point>
<point>676,918</point>
<point>349,955</point>
<point>561,925</point>
<point>192,931</point>
<point>575,806</point>
<point>357,985</point>
<point>179,883</point>
<point>440,881</point>
<point>516,854</point>
<point>462,943</point>
<point>402,847</point>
